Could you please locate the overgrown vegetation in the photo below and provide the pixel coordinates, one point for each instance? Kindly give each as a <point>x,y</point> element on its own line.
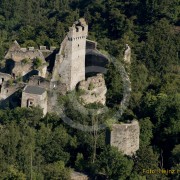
<point>37,63</point>
<point>45,148</point>
<point>25,61</point>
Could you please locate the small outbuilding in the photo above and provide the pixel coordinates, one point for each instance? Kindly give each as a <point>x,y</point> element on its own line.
<point>33,96</point>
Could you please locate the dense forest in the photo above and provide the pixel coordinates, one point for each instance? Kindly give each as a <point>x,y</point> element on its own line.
<point>32,147</point>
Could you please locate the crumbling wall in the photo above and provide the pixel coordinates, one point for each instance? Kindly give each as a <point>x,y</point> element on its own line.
<point>10,94</point>
<point>94,90</point>
<point>42,71</point>
<point>78,176</point>
<point>125,137</point>
<point>21,69</point>
<point>20,61</point>
<point>22,54</point>
<point>4,77</point>
<point>91,44</point>
<point>127,54</point>
<point>39,81</point>
<point>38,100</point>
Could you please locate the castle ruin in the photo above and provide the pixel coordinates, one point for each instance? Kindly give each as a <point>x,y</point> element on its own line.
<point>70,61</point>
<point>30,73</point>
<point>125,137</point>
<point>24,67</point>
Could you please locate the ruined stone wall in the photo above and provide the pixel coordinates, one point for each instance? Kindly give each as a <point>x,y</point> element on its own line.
<point>127,54</point>
<point>21,69</point>
<point>125,137</point>
<point>78,176</point>
<point>38,100</point>
<point>10,94</point>
<point>21,54</point>
<point>61,69</point>
<point>91,44</point>
<point>39,81</point>
<point>6,91</point>
<point>4,77</point>
<point>94,90</point>
<point>42,71</point>
<point>19,61</point>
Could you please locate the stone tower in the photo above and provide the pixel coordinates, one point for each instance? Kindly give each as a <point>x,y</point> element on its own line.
<point>70,61</point>
<point>125,137</point>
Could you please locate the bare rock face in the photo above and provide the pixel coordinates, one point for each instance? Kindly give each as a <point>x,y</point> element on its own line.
<point>93,90</point>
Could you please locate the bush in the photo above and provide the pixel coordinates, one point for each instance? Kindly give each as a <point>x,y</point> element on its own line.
<point>91,86</point>
<point>37,63</point>
<point>25,61</point>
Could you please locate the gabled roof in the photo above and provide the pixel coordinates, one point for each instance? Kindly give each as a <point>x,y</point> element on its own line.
<point>34,90</point>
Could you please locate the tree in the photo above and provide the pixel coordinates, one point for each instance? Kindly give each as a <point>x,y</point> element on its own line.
<point>12,173</point>
<point>54,146</point>
<point>146,159</point>
<point>113,164</point>
<point>56,170</point>
<point>159,50</point>
<point>146,132</point>
<point>176,155</point>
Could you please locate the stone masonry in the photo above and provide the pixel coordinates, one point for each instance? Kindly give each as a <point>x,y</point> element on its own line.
<point>70,62</point>
<point>19,61</point>
<point>94,90</point>
<point>127,54</point>
<point>34,96</point>
<point>78,176</point>
<point>125,137</point>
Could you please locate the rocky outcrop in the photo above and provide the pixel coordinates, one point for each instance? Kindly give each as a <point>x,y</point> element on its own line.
<point>93,90</point>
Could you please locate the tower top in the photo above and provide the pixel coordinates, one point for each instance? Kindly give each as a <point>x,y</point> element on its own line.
<point>78,29</point>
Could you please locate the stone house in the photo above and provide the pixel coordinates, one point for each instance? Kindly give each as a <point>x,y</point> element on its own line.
<point>34,96</point>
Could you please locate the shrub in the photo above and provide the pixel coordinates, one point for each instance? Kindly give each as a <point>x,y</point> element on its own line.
<point>37,63</point>
<point>91,86</point>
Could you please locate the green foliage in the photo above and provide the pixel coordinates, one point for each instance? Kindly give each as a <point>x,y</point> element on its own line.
<point>151,28</point>
<point>80,92</point>
<point>25,61</point>
<point>57,170</point>
<point>114,85</point>
<point>176,155</point>
<point>10,82</point>
<point>37,63</point>
<point>113,164</point>
<point>26,142</point>
<point>146,159</point>
<point>80,163</point>
<point>91,86</point>
<point>12,172</point>
<point>146,132</point>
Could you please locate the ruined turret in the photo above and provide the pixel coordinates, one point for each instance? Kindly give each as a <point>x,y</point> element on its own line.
<point>127,54</point>
<point>125,137</point>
